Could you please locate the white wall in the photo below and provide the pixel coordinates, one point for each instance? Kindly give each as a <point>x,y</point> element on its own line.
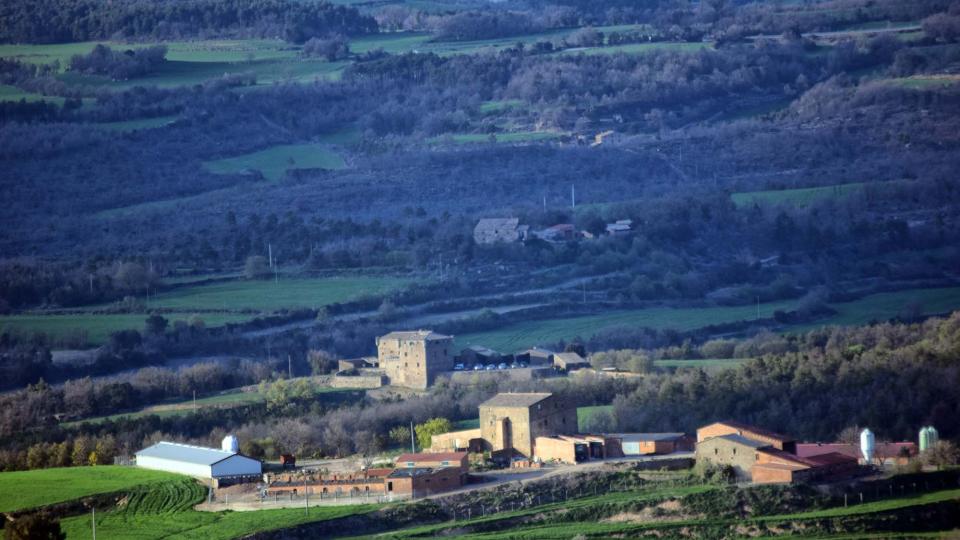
<point>189,469</point>
<point>236,465</point>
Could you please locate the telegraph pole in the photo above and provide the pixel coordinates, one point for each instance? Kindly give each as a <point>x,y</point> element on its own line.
<point>270,253</point>
<point>573,196</point>
<point>93,522</point>
<point>289,367</point>
<point>413,446</point>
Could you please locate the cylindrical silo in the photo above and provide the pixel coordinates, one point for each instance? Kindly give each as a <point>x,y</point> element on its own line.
<point>867,445</point>
<point>230,444</point>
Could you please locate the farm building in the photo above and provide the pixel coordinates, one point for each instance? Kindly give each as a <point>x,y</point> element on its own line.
<point>468,440</point>
<point>575,448</point>
<point>780,442</point>
<point>402,482</point>
<point>414,359</point>
<point>641,444</point>
<point>569,361</point>
<point>197,461</point>
<point>561,232</point>
<point>477,354</point>
<point>884,453</point>
<point>535,356</point>
<point>434,460</point>
<point>759,456</point>
<point>511,422</point>
<point>621,227</point>
<point>497,230</point>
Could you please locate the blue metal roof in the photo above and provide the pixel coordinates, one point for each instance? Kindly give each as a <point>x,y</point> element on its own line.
<point>185,453</point>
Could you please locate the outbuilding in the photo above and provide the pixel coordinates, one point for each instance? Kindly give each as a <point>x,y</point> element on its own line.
<point>197,461</point>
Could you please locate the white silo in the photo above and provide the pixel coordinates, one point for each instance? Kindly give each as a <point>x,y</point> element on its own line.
<point>230,444</point>
<point>867,445</point>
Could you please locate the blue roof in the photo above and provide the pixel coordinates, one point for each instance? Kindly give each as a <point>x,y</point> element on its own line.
<point>186,453</point>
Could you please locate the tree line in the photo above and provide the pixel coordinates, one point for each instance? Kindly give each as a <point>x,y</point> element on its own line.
<point>45,21</point>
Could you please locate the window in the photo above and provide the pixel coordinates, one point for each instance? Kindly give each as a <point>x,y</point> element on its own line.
<point>716,451</point>
<point>411,464</point>
<point>734,451</point>
<point>445,463</point>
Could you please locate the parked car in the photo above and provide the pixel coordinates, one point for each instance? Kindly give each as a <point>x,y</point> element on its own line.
<point>478,367</point>
<point>523,364</point>
<point>491,367</point>
<point>514,365</point>
<point>458,367</point>
<point>502,366</point>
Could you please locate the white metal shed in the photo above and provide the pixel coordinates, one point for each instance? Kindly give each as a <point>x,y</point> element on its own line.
<point>196,461</point>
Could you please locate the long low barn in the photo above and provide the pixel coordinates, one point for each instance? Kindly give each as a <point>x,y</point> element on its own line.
<point>197,461</point>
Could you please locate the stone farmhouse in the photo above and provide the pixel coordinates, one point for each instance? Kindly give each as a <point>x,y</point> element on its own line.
<point>414,359</point>
<point>499,230</point>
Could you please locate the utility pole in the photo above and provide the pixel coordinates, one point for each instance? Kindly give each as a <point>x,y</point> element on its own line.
<point>270,253</point>
<point>573,196</point>
<point>413,446</point>
<point>289,367</point>
<point>93,522</point>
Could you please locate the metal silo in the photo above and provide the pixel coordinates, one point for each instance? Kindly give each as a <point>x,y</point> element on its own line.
<point>867,445</point>
<point>924,438</point>
<point>230,444</point>
<point>932,436</point>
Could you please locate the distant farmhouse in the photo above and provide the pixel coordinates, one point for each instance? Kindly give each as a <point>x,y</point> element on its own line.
<point>621,227</point>
<point>499,230</point>
<point>414,359</point>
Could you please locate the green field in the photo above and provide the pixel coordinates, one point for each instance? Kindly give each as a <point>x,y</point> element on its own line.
<point>12,93</point>
<point>885,306</point>
<point>98,327</point>
<point>500,105</point>
<point>267,294</point>
<point>585,414</point>
<point>30,489</point>
<point>515,137</point>
<point>166,512</point>
<point>275,161</point>
<point>799,197</point>
<point>140,123</point>
<point>639,48</point>
<point>920,82</point>
<point>223,400</point>
<point>709,364</point>
<point>530,333</point>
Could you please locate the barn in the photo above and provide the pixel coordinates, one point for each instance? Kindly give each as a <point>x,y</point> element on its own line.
<point>197,461</point>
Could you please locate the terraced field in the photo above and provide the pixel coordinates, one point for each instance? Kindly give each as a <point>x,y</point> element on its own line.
<point>166,512</point>
<point>31,489</point>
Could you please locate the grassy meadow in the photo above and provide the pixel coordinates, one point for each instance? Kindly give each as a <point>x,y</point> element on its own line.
<point>211,302</point>
<point>29,489</point>
<point>267,294</point>
<point>275,161</point>
<point>97,327</point>
<point>888,305</point>
<point>526,334</point>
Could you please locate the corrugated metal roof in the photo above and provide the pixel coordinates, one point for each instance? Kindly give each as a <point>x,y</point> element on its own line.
<point>431,456</point>
<point>643,437</point>
<point>516,399</point>
<point>415,335</point>
<point>185,453</point>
